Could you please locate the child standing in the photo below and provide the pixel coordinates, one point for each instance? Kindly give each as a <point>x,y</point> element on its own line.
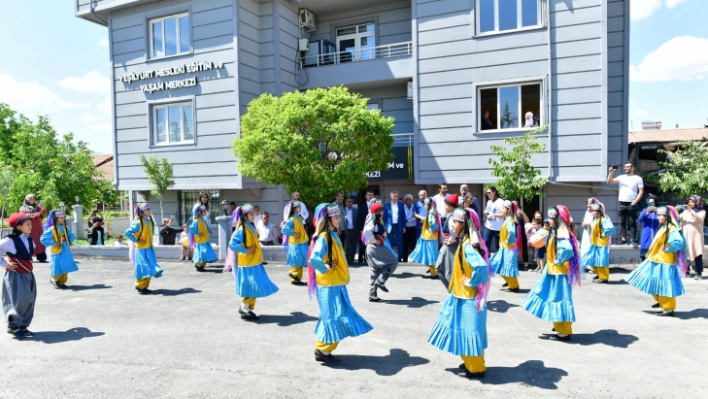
<point>251,278</point>
<point>184,242</point>
<point>597,255</point>
<point>19,288</point>
<point>199,233</point>
<point>58,238</point>
<point>538,230</point>
<point>329,276</point>
<point>504,261</point>
<point>426,250</point>
<point>141,252</point>
<point>295,242</point>
<point>461,328</point>
<point>119,241</point>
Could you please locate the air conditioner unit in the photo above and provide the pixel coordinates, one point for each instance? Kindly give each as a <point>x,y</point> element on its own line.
<point>307,20</point>
<point>304,45</point>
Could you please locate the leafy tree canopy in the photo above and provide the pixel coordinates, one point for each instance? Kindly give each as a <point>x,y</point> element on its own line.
<point>518,178</point>
<point>686,170</point>
<point>316,142</point>
<point>56,169</point>
<point>160,175</point>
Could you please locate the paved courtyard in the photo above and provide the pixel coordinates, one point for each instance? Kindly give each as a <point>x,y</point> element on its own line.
<point>99,338</point>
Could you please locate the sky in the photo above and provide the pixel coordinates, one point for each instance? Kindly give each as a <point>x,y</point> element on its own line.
<point>54,64</point>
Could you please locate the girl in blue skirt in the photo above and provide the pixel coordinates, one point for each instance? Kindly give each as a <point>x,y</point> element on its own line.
<point>461,328</point>
<point>295,242</point>
<point>600,236</point>
<point>142,254</point>
<point>251,278</point>
<point>58,238</point>
<point>328,275</point>
<point>427,249</point>
<point>660,273</point>
<point>504,262</point>
<point>199,233</point>
<point>551,299</point>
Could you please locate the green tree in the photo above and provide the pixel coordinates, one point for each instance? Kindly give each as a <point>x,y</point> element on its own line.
<point>5,187</point>
<point>160,175</point>
<point>316,142</point>
<point>508,120</point>
<point>54,168</point>
<point>686,170</point>
<point>518,179</point>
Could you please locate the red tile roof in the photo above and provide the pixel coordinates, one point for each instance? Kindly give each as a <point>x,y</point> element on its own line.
<point>667,135</point>
<point>104,162</point>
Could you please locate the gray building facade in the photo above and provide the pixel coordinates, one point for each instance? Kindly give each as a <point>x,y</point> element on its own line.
<point>457,76</point>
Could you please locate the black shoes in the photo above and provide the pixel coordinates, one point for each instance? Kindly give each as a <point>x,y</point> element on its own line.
<point>247,315</point>
<point>666,314</point>
<point>558,337</point>
<point>20,332</point>
<point>374,299</point>
<point>655,306</point>
<point>143,291</point>
<point>600,281</point>
<point>54,283</point>
<point>505,285</point>
<point>382,286</point>
<point>472,375</point>
<point>199,268</point>
<point>326,358</point>
<point>596,277</point>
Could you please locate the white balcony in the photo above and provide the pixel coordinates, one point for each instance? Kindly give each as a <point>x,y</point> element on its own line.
<point>365,54</point>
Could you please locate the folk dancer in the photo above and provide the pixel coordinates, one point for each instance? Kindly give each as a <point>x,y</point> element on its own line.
<point>598,253</point>
<point>19,288</point>
<point>446,256</point>
<point>660,273</point>
<point>427,248</point>
<point>551,299</point>
<point>328,276</point>
<point>58,237</point>
<point>141,249</point>
<point>295,239</point>
<point>380,256</point>
<point>504,262</point>
<point>199,233</point>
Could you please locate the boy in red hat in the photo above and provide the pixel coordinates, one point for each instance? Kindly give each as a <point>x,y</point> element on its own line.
<point>380,257</point>
<point>19,288</point>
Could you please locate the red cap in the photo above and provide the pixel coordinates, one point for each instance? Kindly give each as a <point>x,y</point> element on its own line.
<point>15,217</point>
<point>452,200</point>
<point>375,207</point>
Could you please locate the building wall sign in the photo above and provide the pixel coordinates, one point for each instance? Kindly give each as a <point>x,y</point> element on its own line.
<point>400,168</point>
<point>167,72</point>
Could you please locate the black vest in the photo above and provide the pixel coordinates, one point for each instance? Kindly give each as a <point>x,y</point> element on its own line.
<point>20,248</point>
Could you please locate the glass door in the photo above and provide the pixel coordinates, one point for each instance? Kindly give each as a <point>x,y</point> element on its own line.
<point>356,43</point>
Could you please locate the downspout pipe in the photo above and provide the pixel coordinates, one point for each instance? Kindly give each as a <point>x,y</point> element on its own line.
<point>549,79</point>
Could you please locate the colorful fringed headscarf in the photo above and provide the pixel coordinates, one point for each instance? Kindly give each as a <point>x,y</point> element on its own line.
<point>474,225</point>
<point>434,211</point>
<point>196,214</point>
<point>56,213</point>
<point>683,254</point>
<point>137,217</point>
<point>562,217</point>
<point>321,225</point>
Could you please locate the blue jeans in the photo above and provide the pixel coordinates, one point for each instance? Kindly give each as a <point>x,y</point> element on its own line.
<point>491,237</point>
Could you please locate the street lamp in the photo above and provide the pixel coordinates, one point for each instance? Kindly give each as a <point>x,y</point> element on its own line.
<point>62,206</point>
<point>225,207</point>
<point>77,200</point>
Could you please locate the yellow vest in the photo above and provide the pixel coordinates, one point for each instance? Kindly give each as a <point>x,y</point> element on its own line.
<point>504,234</point>
<point>250,239</point>
<point>426,234</point>
<point>203,232</point>
<point>145,234</point>
<point>339,274</point>
<point>57,236</point>
<point>596,237</point>
<point>300,230</point>
<point>461,269</point>
<point>656,250</point>
<point>552,267</point>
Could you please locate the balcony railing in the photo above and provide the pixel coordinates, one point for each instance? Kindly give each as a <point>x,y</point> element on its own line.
<point>403,140</point>
<point>364,54</point>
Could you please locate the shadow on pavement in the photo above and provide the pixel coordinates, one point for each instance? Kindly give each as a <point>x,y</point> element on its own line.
<point>605,337</point>
<point>500,306</point>
<point>405,275</point>
<point>520,291</point>
<point>416,302</point>
<point>182,291</point>
<point>286,320</point>
<point>618,270</point>
<point>57,337</point>
<point>617,282</point>
<point>531,373</point>
<point>388,365</point>
<point>694,314</point>
<point>87,287</point>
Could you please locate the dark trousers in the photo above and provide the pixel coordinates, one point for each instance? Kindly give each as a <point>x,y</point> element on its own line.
<point>267,243</point>
<point>524,247</point>
<point>698,265</point>
<point>395,238</point>
<point>491,237</point>
<point>627,217</point>
<point>350,245</point>
<point>409,241</point>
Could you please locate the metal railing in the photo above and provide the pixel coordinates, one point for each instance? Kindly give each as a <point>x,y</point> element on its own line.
<point>364,54</point>
<point>403,140</point>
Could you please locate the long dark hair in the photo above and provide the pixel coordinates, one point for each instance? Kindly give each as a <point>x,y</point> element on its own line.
<point>199,200</point>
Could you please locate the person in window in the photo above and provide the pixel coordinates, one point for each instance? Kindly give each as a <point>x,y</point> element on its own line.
<point>168,234</point>
<point>486,122</point>
<point>537,118</point>
<point>529,120</point>
<point>97,234</point>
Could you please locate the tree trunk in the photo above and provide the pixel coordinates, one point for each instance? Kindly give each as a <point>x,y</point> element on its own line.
<point>162,212</point>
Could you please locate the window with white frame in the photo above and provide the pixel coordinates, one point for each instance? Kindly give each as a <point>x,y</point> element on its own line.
<point>505,15</point>
<point>173,123</point>
<point>170,35</point>
<point>357,43</point>
<point>513,106</point>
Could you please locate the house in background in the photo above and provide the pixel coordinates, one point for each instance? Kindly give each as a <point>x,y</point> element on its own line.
<point>457,75</point>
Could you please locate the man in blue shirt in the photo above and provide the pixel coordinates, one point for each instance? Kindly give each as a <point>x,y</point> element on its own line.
<point>420,214</point>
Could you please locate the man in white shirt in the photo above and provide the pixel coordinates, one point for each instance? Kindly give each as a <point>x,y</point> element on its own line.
<point>257,212</point>
<point>495,219</point>
<point>631,191</point>
<point>266,231</point>
<point>439,199</point>
<point>395,222</point>
<point>303,208</point>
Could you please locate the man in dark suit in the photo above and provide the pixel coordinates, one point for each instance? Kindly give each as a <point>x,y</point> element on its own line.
<point>351,226</point>
<point>395,223</point>
<point>363,212</point>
